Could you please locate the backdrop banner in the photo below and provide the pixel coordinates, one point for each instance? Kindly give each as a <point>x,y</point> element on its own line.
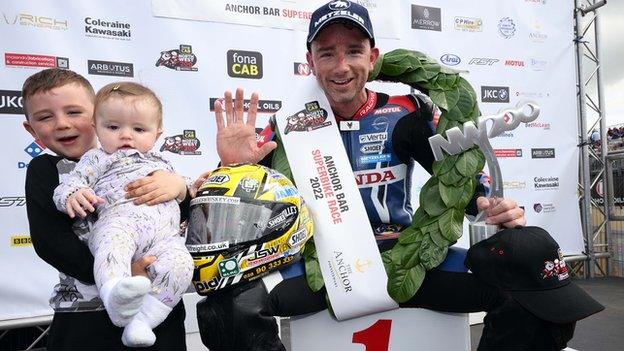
<point>189,52</point>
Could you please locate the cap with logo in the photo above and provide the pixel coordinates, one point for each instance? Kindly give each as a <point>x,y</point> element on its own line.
<point>527,263</point>
<point>340,11</point>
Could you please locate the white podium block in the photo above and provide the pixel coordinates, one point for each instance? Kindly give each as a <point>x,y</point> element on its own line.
<point>402,329</point>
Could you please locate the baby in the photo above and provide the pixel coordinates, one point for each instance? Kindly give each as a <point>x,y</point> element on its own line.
<point>128,121</point>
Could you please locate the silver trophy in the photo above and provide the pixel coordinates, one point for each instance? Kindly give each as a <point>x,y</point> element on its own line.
<point>504,120</point>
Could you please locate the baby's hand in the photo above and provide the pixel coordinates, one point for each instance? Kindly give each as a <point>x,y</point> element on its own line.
<point>81,200</point>
<point>156,188</point>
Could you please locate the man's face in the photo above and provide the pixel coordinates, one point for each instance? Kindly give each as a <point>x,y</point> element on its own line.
<point>61,118</point>
<point>341,58</point>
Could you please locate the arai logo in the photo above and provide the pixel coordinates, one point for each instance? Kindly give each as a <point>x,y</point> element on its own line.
<point>450,59</point>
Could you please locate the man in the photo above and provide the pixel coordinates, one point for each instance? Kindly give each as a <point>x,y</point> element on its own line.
<point>341,53</point>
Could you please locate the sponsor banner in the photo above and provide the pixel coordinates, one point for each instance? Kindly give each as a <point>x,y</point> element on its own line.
<point>508,152</point>
<point>21,240</point>
<point>293,15</point>
<point>494,94</point>
<point>39,20</point>
<point>182,144</point>
<point>542,153</point>
<point>342,234</point>
<point>302,69</point>
<point>11,102</point>
<point>110,68</point>
<point>468,24</point>
<point>244,64</point>
<point>427,18</point>
<point>182,59</point>
<point>32,61</point>
<point>450,59</point>
<point>264,106</point>
<point>107,29</point>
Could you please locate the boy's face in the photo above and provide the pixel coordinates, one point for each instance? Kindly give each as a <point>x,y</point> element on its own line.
<point>127,123</point>
<point>61,119</point>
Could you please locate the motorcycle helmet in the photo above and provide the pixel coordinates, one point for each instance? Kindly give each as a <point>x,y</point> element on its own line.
<point>245,221</point>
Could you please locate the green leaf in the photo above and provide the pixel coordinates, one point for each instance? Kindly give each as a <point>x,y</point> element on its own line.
<point>467,193</point>
<point>450,194</point>
<point>452,177</point>
<point>451,224</point>
<point>377,68</point>
<point>393,69</point>
<point>396,56</point>
<point>437,237</point>
<point>403,283</point>
<point>447,164</point>
<point>421,219</point>
<point>467,164</point>
<point>313,274</point>
<point>455,114</point>
<point>431,255</point>
<point>430,198</point>
<point>279,162</point>
<point>408,235</point>
<point>414,76</point>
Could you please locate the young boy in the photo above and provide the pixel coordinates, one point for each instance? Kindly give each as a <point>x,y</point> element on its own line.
<point>59,106</point>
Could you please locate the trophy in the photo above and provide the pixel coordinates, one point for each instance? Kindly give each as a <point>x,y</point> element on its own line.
<point>458,141</point>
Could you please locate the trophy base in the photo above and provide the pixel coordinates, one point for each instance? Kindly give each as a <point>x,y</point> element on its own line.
<point>481,231</point>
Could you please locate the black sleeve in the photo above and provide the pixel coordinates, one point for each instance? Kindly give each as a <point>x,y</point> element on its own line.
<point>185,206</point>
<point>51,230</point>
<point>410,138</point>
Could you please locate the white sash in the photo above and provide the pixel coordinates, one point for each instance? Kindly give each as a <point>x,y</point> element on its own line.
<point>350,262</point>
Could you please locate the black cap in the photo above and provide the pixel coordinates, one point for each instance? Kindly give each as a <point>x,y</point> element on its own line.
<point>527,262</point>
<point>343,11</point>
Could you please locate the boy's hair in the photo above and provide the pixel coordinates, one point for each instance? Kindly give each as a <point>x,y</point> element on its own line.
<point>49,79</point>
<point>128,89</point>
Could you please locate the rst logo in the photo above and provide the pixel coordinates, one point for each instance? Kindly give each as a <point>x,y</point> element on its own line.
<point>110,68</point>
<point>494,94</point>
<point>542,153</point>
<point>11,102</point>
<point>302,69</point>
<point>12,201</point>
<point>244,64</point>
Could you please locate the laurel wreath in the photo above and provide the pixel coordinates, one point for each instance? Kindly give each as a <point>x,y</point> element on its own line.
<point>437,223</point>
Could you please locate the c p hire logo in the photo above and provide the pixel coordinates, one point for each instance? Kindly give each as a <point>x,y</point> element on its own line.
<point>34,149</point>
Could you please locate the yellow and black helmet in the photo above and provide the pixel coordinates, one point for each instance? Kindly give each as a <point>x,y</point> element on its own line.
<point>246,221</point>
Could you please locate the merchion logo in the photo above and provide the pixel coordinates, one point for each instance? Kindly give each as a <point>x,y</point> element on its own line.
<point>494,94</point>
<point>543,153</point>
<point>427,18</point>
<point>95,27</point>
<point>110,68</point>
<point>31,60</point>
<point>244,64</point>
<point>11,102</point>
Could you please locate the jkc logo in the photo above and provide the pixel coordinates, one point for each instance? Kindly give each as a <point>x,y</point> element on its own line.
<point>11,102</point>
<point>494,94</point>
<point>302,69</point>
<point>182,59</point>
<point>244,64</point>
<point>26,19</point>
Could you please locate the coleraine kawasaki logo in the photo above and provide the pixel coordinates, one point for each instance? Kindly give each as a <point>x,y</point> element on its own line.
<point>494,94</point>
<point>506,27</point>
<point>182,144</point>
<point>11,102</point>
<point>244,64</point>
<point>31,60</point>
<point>302,69</point>
<point>95,27</point>
<point>27,19</point>
<point>110,68</point>
<point>311,118</point>
<point>182,59</point>
<point>546,183</point>
<point>427,18</point>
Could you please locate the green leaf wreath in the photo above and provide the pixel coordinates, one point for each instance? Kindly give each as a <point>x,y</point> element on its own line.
<point>437,223</point>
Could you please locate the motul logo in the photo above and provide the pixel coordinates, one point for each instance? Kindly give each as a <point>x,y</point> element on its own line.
<point>515,63</point>
<point>374,177</point>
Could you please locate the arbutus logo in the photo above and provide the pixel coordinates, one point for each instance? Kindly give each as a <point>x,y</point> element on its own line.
<point>109,68</point>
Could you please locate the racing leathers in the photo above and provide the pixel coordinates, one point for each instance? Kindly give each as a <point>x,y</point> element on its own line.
<point>383,141</point>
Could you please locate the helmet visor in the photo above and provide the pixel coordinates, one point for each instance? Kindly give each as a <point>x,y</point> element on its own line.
<point>218,222</point>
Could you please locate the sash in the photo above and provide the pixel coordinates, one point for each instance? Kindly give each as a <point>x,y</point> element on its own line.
<point>350,262</point>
